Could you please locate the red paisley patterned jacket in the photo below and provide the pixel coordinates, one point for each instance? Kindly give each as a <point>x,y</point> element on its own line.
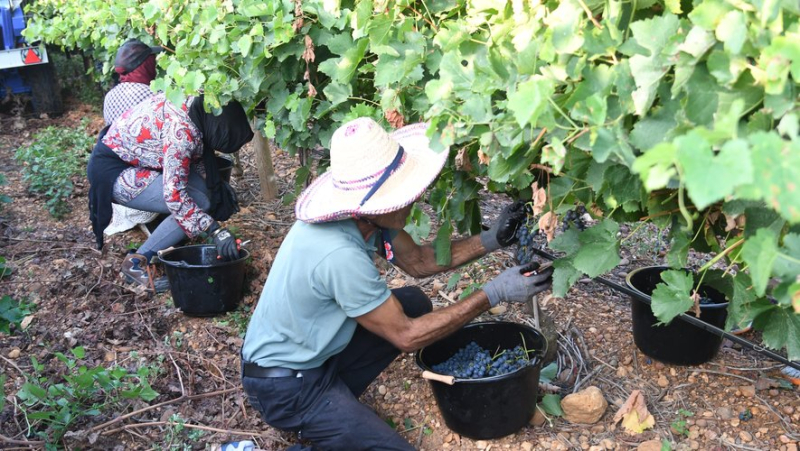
<point>157,137</point>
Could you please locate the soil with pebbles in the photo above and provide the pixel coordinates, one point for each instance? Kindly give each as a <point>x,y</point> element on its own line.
<point>80,300</point>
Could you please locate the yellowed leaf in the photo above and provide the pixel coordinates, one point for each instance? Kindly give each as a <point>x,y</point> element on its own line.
<point>596,210</point>
<point>483,158</point>
<point>462,160</point>
<point>308,51</point>
<point>733,222</point>
<point>26,322</point>
<point>539,198</point>
<point>634,425</point>
<point>394,118</point>
<point>547,224</point>
<point>796,301</point>
<point>695,297</point>
<point>634,414</point>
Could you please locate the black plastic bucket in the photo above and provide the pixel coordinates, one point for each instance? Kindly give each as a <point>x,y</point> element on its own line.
<point>224,167</point>
<point>489,407</point>
<point>679,342</point>
<point>201,284</point>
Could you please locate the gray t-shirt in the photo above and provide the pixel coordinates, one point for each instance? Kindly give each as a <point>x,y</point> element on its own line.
<point>322,278</point>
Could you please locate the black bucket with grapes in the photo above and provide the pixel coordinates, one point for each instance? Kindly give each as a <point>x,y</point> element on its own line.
<point>485,377</point>
<point>679,342</point>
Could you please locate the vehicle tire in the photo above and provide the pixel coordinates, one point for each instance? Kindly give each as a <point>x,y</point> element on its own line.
<point>45,90</point>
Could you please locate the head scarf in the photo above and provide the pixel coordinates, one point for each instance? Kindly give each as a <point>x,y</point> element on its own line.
<point>143,73</point>
<point>226,133</point>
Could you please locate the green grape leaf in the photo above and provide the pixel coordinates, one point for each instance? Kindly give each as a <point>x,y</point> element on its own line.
<point>337,93</point>
<point>549,373</point>
<point>787,264</point>
<point>245,43</point>
<point>776,167</point>
<point>674,6</point>
<point>620,186</point>
<point>343,69</point>
<point>599,252</point>
<point>652,34</point>
<point>732,30</point>
<point>564,276</point>
<point>760,252</point>
<point>672,296</point>
<point>442,244</point>
<point>678,254</point>
<point>551,404</point>
<point>568,242</point>
<point>530,99</point>
<point>453,280</point>
<point>728,169</point>
<point>419,225</point>
<point>656,167</point>
<point>781,328</point>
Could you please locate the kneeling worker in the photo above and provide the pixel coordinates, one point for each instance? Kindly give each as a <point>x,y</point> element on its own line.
<point>327,324</point>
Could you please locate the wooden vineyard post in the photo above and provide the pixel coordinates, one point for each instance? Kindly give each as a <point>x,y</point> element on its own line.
<point>266,171</point>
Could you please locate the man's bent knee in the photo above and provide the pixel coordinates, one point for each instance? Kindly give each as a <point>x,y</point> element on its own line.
<point>414,301</point>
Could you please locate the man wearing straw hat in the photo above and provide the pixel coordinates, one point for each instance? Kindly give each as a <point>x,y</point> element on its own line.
<point>326,324</point>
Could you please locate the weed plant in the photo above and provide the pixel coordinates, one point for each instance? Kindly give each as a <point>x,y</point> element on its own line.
<point>12,311</point>
<point>3,198</point>
<point>56,155</point>
<point>53,404</point>
<point>178,437</point>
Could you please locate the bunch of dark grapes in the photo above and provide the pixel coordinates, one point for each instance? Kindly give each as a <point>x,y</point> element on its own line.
<point>575,217</point>
<point>525,244</point>
<point>474,362</point>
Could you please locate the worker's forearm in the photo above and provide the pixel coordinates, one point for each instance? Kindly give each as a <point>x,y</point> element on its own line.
<point>442,322</point>
<point>461,251</point>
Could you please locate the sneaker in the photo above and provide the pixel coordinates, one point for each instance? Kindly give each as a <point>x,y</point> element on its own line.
<point>793,375</point>
<point>245,445</point>
<point>135,270</point>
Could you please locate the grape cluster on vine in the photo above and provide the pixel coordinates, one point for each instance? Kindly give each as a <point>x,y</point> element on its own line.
<point>475,362</point>
<point>525,244</point>
<point>577,217</point>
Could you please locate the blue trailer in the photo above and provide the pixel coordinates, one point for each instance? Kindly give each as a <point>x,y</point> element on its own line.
<point>25,69</point>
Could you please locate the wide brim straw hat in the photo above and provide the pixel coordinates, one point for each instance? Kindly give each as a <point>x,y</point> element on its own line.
<point>361,152</point>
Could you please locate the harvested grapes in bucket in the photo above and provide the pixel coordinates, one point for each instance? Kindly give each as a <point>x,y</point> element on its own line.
<point>475,362</point>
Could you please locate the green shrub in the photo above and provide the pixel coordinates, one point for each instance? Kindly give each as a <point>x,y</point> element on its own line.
<point>71,72</point>
<point>49,163</point>
<point>51,406</point>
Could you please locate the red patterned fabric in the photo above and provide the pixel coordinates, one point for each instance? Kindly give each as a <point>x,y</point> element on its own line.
<point>157,137</point>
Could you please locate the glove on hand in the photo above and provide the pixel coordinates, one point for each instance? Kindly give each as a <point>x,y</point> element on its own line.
<point>513,286</point>
<point>227,248</point>
<point>504,231</point>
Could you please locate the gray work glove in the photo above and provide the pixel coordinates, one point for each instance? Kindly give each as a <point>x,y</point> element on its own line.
<point>504,231</point>
<point>512,285</point>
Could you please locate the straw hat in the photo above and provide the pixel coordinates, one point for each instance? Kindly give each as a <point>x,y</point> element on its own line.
<point>361,151</point>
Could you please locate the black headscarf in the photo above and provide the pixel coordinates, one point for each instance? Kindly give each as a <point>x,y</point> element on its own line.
<point>226,133</point>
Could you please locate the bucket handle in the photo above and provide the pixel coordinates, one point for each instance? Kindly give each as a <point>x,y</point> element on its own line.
<point>431,376</point>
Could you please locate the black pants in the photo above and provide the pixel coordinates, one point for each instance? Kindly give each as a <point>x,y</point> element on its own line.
<point>322,405</point>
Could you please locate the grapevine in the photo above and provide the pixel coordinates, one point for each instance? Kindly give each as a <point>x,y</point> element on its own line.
<point>683,114</point>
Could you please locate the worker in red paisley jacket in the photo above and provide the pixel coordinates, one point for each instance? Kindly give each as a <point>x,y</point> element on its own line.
<point>159,157</point>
